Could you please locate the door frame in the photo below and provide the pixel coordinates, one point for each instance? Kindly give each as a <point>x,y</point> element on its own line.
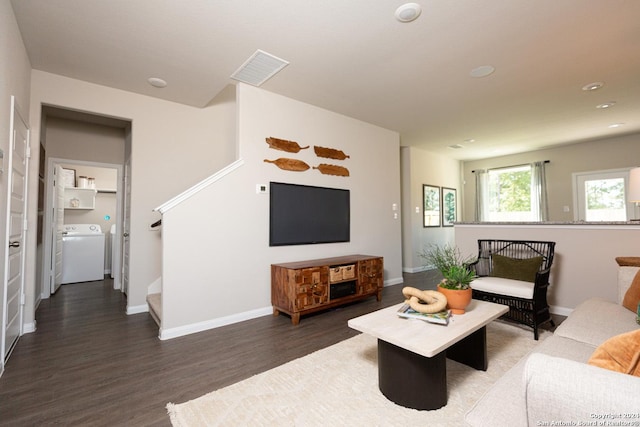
<point>578,178</point>
<point>48,267</point>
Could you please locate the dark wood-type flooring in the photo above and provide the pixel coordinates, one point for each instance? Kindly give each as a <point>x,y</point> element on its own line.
<point>88,363</point>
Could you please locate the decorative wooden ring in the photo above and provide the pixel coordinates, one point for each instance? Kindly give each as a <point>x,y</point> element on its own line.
<point>424,301</point>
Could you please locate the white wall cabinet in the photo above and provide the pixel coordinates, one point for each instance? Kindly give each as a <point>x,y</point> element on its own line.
<point>79,198</point>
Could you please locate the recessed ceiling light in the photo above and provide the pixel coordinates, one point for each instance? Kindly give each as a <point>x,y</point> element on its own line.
<point>456,146</point>
<point>482,71</point>
<point>470,140</point>
<point>157,82</point>
<point>615,125</point>
<point>408,12</point>
<point>592,86</point>
<point>606,105</point>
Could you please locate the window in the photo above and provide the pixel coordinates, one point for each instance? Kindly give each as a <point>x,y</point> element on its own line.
<point>512,194</point>
<point>601,196</point>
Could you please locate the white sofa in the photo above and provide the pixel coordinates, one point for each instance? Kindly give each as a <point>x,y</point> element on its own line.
<point>554,385</point>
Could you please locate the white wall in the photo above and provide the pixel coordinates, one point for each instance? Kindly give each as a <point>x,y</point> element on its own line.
<point>105,202</point>
<point>607,153</point>
<point>218,270</point>
<point>173,146</point>
<point>422,167</point>
<point>14,80</point>
<point>584,265</point>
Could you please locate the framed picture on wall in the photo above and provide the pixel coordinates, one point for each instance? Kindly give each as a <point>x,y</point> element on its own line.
<point>431,205</point>
<point>449,207</point>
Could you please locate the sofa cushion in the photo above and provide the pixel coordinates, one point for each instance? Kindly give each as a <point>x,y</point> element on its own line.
<point>501,286</point>
<point>632,296</point>
<point>620,353</point>
<point>577,393</point>
<point>596,320</point>
<point>504,403</point>
<point>515,268</point>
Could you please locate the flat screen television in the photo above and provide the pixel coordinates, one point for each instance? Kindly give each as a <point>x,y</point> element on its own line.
<point>304,215</point>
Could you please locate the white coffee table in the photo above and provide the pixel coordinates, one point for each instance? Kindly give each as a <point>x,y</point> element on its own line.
<point>412,353</point>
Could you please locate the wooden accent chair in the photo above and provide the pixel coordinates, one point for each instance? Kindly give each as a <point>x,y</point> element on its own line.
<point>515,273</point>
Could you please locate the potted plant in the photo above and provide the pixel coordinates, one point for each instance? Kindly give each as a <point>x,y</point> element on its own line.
<point>457,276</point>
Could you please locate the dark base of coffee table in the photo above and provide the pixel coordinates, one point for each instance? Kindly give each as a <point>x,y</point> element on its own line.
<point>419,382</point>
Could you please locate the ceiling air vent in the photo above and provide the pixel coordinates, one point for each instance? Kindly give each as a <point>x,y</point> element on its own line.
<point>456,146</point>
<point>259,68</point>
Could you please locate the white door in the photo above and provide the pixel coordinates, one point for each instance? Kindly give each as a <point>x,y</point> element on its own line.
<point>601,196</point>
<point>57,229</point>
<point>126,226</point>
<point>16,208</point>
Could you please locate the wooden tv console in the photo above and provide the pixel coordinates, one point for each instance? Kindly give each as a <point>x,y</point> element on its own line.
<point>303,287</point>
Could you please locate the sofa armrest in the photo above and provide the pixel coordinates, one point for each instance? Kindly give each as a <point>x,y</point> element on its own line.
<point>559,389</point>
<point>625,277</point>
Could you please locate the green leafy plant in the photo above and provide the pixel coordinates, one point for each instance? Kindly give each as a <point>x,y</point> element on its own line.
<point>451,264</point>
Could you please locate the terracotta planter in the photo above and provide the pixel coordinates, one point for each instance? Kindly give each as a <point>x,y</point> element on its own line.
<point>457,299</point>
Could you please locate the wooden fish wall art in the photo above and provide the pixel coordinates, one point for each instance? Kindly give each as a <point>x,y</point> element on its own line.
<point>289,164</point>
<point>329,153</point>
<point>327,169</point>
<point>284,145</point>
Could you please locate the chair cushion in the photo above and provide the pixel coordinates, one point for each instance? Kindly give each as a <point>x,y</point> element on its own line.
<point>620,353</point>
<point>502,286</point>
<point>632,296</point>
<point>515,268</point>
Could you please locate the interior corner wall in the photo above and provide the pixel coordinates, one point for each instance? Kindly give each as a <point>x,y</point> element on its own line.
<point>607,153</point>
<point>423,167</point>
<point>219,267</point>
<point>173,146</point>
<point>15,72</point>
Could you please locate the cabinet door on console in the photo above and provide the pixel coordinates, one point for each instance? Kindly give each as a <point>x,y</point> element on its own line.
<point>312,287</point>
<point>370,276</point>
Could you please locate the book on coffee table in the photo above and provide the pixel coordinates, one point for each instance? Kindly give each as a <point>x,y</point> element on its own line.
<point>441,317</point>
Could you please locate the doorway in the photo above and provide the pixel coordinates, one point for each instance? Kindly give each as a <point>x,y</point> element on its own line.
<point>101,206</point>
<point>83,145</point>
<point>602,196</point>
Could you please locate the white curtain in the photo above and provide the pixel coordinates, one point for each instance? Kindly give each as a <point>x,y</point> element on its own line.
<point>482,195</point>
<point>539,206</point>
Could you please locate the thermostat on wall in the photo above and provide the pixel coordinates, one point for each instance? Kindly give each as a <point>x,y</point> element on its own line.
<point>261,188</point>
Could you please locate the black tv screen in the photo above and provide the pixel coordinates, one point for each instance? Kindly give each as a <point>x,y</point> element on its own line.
<point>303,214</point>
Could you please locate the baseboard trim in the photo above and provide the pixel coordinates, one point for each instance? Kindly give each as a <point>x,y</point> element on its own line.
<point>193,328</point>
<point>415,269</point>
<point>392,282</point>
<point>136,309</point>
<point>29,328</point>
<point>562,311</point>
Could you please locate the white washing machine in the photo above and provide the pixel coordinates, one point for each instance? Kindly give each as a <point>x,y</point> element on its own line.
<point>82,253</point>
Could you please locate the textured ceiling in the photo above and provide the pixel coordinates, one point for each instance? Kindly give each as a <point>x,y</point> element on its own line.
<point>353,57</point>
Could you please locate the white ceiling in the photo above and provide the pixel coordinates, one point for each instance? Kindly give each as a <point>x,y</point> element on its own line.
<point>355,58</point>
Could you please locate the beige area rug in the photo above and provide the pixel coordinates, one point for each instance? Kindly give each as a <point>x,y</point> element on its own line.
<point>338,386</point>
